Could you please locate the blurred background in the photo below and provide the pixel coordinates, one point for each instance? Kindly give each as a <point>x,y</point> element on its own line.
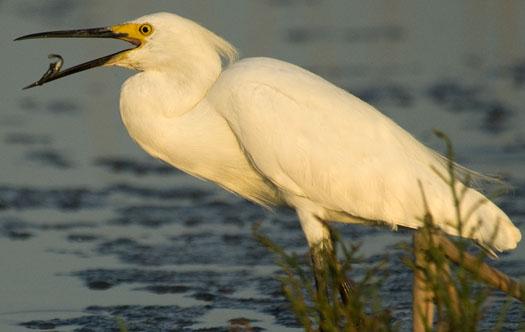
<point>91,228</point>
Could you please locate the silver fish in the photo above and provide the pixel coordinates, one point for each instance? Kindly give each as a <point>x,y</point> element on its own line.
<point>54,68</point>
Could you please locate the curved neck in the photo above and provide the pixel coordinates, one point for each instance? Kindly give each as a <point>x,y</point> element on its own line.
<point>185,85</point>
<point>172,90</point>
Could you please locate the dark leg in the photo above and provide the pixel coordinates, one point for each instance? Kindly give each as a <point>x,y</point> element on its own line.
<point>326,267</point>
<point>320,266</point>
<point>324,259</point>
<point>321,256</point>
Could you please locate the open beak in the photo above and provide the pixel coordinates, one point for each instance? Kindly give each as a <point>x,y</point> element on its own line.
<point>122,32</point>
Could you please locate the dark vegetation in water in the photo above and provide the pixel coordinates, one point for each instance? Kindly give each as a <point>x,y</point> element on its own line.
<point>77,198</point>
<point>457,97</point>
<point>392,94</point>
<point>20,138</point>
<point>516,73</point>
<point>51,158</point>
<point>137,318</point>
<point>214,289</point>
<point>135,167</point>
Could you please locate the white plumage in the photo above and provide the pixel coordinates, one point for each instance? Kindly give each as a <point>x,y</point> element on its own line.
<point>277,134</point>
<point>336,157</point>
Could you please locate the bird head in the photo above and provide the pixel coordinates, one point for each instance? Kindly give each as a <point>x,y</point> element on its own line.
<point>161,41</point>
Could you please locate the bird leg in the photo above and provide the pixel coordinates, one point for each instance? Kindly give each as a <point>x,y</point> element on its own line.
<point>324,259</point>
<point>329,277</point>
<point>346,286</point>
<point>326,265</point>
<point>322,252</point>
<point>327,272</point>
<point>318,254</point>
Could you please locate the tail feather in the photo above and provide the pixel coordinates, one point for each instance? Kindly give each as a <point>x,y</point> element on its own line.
<point>482,220</point>
<point>488,224</point>
<point>497,231</point>
<point>475,178</point>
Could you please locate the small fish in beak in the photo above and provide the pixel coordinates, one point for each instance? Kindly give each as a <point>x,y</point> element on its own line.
<point>54,69</point>
<point>130,32</point>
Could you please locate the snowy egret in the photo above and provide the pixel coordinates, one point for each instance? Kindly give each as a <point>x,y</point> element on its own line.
<point>277,134</point>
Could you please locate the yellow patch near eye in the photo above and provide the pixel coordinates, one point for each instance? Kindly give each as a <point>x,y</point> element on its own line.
<point>133,32</point>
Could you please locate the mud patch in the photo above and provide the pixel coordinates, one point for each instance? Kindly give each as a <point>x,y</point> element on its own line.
<point>216,290</point>
<point>134,318</point>
<point>165,289</point>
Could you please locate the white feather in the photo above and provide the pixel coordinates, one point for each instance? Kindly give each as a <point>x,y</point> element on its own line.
<point>277,134</point>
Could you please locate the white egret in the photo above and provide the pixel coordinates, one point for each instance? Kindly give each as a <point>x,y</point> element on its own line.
<point>277,134</point>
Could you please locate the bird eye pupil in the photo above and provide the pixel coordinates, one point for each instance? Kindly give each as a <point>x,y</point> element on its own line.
<point>145,29</point>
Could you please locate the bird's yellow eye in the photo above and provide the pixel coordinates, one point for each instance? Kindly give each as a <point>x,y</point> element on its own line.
<point>146,29</point>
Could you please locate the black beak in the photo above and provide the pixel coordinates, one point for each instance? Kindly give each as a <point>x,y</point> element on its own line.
<point>80,33</point>
<point>54,71</point>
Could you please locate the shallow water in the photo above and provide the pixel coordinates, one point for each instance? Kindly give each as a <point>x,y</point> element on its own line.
<point>92,229</point>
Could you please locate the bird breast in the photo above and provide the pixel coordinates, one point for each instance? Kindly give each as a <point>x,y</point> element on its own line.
<point>198,141</point>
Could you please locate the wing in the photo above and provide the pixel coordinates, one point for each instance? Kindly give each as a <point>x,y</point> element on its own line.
<point>314,140</point>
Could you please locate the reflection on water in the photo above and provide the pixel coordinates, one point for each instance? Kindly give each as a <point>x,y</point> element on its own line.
<point>92,229</point>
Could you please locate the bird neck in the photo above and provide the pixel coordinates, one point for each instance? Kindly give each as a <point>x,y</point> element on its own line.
<point>185,84</point>
<point>174,88</point>
<point>151,98</point>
